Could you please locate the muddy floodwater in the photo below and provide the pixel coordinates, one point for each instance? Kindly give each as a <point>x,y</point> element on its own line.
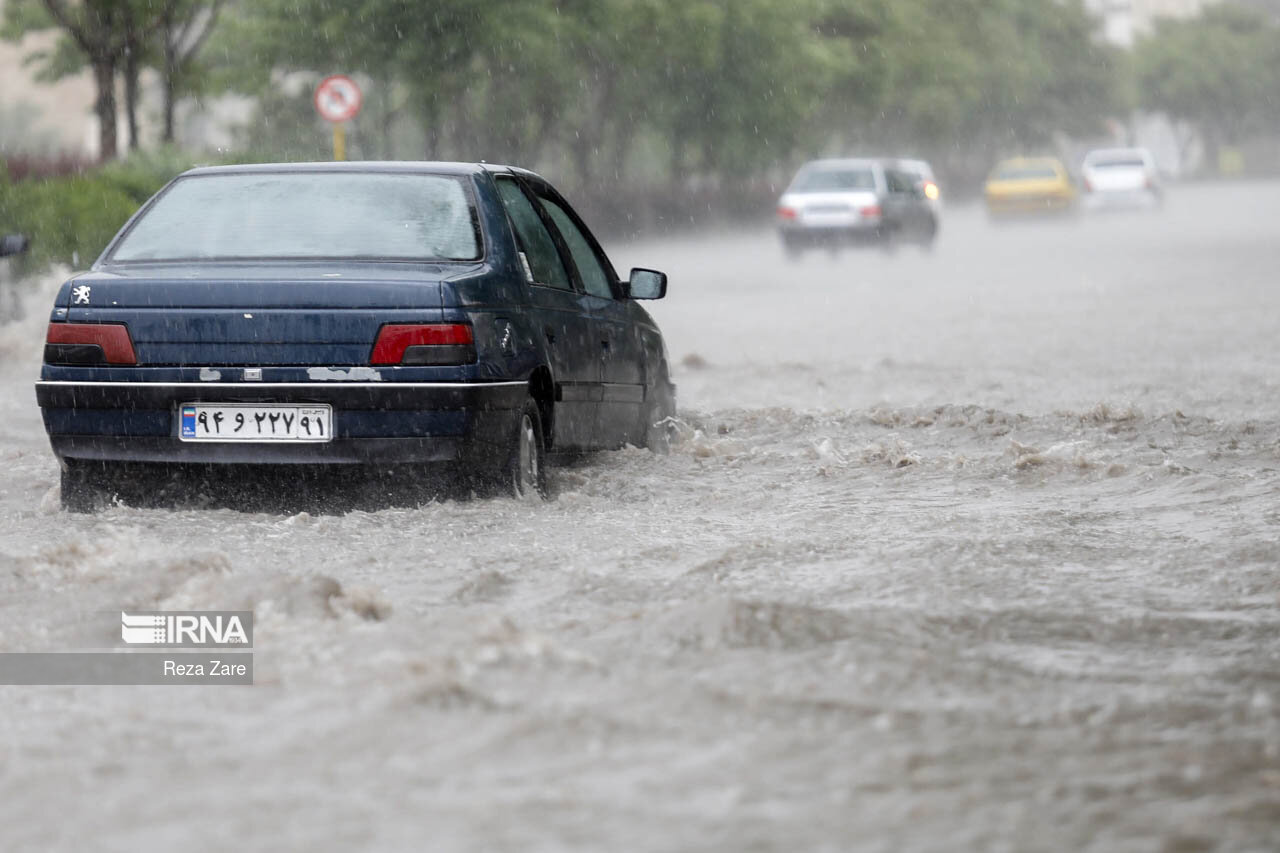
<point>976,549</point>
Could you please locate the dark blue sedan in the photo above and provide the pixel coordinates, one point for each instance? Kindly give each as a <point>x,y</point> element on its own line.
<point>387,314</point>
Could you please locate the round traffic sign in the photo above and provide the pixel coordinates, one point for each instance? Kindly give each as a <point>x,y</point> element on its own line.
<point>338,98</point>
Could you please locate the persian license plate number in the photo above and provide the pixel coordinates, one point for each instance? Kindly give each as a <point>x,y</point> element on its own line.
<point>251,422</point>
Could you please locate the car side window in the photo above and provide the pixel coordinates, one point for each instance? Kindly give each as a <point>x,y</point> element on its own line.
<point>535,240</point>
<point>594,275</point>
<point>899,182</point>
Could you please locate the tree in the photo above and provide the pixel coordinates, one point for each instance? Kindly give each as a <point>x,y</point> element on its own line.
<point>1218,72</point>
<point>688,91</point>
<point>118,38</point>
<point>1009,73</point>
<point>93,29</point>
<point>185,27</point>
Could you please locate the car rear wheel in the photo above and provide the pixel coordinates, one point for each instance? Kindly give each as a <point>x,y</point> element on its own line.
<point>888,238</point>
<point>930,234</point>
<point>526,473</point>
<point>84,486</point>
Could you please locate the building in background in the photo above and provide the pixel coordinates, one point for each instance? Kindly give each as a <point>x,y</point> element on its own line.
<point>44,118</point>
<point>1125,21</point>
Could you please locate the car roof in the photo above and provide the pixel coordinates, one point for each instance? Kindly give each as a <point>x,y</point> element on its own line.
<point>869,162</point>
<point>861,162</point>
<point>400,166</point>
<point>1030,161</point>
<point>907,163</point>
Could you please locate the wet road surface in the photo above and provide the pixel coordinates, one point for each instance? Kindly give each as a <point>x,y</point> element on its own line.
<point>977,549</point>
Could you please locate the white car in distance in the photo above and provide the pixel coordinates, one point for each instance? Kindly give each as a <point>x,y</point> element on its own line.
<point>1115,178</point>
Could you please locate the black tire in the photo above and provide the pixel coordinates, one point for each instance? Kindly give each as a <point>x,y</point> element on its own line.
<point>83,487</point>
<point>525,473</point>
<point>888,240</point>
<point>656,428</point>
<point>930,235</point>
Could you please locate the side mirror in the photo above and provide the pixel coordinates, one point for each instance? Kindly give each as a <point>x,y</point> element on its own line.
<point>647,284</point>
<point>12,244</point>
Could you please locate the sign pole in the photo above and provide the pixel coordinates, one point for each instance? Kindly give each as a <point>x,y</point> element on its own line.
<point>338,100</point>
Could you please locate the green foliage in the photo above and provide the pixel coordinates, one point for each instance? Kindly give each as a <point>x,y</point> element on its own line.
<point>74,217</point>
<point>22,17</point>
<point>66,218</point>
<point>714,88</point>
<point>1220,72</point>
<point>694,90</point>
<point>998,73</point>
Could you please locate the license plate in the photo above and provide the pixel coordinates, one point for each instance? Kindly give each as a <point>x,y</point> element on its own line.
<point>252,422</point>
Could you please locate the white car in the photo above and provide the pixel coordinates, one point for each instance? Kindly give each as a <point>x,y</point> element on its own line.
<point>1120,178</point>
<point>852,202</point>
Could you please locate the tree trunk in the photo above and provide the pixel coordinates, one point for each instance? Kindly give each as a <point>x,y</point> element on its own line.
<point>679,163</point>
<point>622,140</point>
<point>104,107</point>
<point>169,96</point>
<point>170,71</point>
<point>1212,140</point>
<point>131,94</point>
<point>430,131</point>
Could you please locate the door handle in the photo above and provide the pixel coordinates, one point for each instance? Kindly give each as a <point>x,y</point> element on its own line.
<point>551,336</point>
<point>604,344</point>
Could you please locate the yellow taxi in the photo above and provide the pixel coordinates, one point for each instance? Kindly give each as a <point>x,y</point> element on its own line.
<point>1029,185</point>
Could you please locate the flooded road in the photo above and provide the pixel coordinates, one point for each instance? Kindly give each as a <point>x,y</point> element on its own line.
<point>970,550</point>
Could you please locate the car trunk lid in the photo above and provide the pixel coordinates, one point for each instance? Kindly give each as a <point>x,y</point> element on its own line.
<point>323,319</point>
<point>1116,178</point>
<point>830,208</point>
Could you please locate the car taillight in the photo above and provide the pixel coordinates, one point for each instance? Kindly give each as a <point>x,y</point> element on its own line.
<point>787,212</point>
<point>1088,185</point>
<point>436,344</point>
<point>88,343</point>
<point>872,212</point>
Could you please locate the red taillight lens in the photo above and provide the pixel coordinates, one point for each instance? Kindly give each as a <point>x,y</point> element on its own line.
<point>1088,185</point>
<point>437,344</point>
<point>872,212</point>
<point>89,343</point>
<point>787,213</point>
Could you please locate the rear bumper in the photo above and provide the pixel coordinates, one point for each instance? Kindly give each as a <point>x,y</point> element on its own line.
<point>827,235</point>
<point>365,451</point>
<point>1030,205</point>
<point>374,422</point>
<point>1137,199</point>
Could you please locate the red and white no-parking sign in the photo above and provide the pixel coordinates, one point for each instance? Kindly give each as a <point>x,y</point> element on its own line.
<point>338,98</point>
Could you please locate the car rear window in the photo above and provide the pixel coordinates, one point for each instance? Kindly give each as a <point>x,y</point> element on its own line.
<point>834,179</point>
<point>312,215</point>
<point>1024,172</point>
<point>1118,163</point>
